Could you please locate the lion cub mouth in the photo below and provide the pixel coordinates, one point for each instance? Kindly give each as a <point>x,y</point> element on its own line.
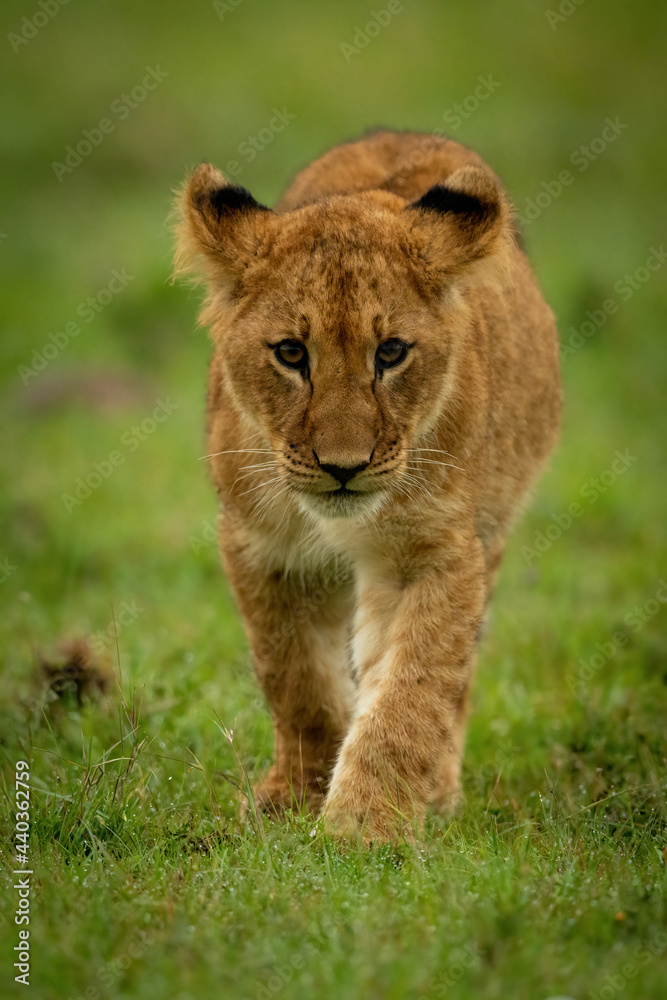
<point>342,502</point>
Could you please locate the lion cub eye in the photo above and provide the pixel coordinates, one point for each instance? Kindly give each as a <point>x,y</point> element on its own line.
<point>390,353</point>
<point>292,354</point>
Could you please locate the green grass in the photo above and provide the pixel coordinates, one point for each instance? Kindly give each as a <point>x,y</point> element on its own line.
<point>551,882</point>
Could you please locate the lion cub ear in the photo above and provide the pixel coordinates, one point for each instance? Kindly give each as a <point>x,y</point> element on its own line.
<point>220,226</point>
<point>464,229</point>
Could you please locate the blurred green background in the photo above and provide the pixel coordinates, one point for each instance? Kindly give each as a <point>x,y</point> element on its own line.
<point>531,86</point>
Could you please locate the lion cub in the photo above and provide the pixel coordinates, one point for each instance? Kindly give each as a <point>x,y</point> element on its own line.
<point>383,394</point>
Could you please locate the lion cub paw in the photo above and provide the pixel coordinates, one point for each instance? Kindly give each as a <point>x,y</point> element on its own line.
<point>364,811</point>
<point>276,795</point>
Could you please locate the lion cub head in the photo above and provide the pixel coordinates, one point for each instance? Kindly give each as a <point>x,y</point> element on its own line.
<point>338,325</point>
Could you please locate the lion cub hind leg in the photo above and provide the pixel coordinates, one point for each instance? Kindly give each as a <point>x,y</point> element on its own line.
<point>298,634</point>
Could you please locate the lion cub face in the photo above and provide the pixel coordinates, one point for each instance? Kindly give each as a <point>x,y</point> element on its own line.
<point>338,323</point>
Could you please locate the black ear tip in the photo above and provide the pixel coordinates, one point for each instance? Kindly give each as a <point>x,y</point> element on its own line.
<point>444,200</point>
<point>230,198</point>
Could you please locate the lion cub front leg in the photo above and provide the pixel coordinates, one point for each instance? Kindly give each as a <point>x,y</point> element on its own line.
<point>298,634</point>
<point>415,647</point>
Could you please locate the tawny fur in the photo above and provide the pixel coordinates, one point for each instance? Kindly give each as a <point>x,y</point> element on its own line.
<point>363,611</point>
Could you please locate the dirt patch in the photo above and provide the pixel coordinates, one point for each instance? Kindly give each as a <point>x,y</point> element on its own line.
<point>75,674</point>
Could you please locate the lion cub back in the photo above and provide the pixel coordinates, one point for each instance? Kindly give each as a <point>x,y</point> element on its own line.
<point>404,163</point>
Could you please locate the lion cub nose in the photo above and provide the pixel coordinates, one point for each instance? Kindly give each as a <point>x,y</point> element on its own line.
<point>343,473</point>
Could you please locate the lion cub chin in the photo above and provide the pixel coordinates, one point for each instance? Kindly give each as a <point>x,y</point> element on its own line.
<point>383,394</point>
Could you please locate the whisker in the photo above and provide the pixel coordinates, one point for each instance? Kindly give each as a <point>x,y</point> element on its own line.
<point>399,488</point>
<point>439,451</point>
<point>417,485</point>
<point>419,482</point>
<point>403,489</point>
<point>407,475</point>
<point>406,490</point>
<point>272,495</point>
<point>404,483</point>
<point>434,461</point>
<point>238,451</point>
<point>260,485</point>
<point>259,465</point>
<point>409,478</point>
<point>245,475</point>
<point>372,521</point>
